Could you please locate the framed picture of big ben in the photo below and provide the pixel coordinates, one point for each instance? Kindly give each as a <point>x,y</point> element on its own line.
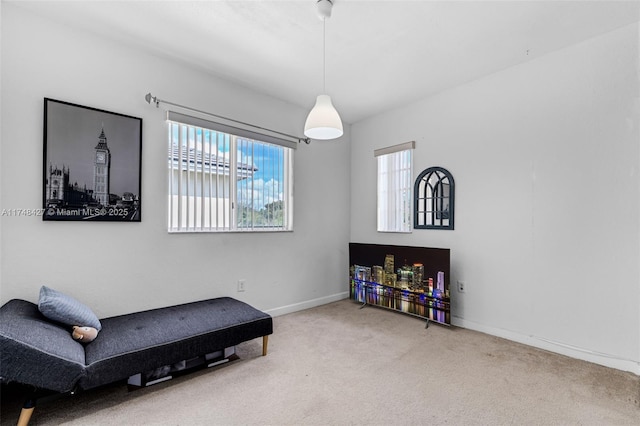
<point>92,164</point>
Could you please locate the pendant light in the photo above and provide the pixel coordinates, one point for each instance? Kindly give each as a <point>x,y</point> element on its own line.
<point>323,122</point>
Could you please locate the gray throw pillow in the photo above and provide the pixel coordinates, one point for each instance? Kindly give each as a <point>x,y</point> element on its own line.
<point>65,309</point>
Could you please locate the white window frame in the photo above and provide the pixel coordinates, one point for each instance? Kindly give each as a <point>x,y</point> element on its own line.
<point>395,188</point>
<point>203,191</point>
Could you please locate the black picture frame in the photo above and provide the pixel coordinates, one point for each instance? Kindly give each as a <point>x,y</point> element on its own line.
<point>92,164</point>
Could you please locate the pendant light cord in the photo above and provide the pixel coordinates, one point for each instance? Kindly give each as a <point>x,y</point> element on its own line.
<point>324,56</point>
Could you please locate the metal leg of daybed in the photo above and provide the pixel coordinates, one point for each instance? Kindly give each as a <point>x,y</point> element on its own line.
<point>265,342</point>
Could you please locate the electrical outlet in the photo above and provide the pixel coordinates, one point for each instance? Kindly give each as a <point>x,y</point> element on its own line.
<point>461,286</point>
<point>241,285</point>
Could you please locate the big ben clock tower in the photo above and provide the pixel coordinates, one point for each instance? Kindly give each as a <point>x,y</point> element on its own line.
<point>101,167</point>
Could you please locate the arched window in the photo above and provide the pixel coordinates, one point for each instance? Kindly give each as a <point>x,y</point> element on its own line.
<point>434,199</point>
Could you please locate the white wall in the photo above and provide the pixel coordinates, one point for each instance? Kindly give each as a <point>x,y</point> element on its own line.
<point>545,159</point>
<point>117,268</point>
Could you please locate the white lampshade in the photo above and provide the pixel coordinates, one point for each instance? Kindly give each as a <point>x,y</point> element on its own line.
<point>323,122</point>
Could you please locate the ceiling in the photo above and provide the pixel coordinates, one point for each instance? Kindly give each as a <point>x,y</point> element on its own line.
<point>379,54</point>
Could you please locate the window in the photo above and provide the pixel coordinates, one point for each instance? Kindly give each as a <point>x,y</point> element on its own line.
<point>226,179</point>
<point>434,199</point>
<point>394,187</point>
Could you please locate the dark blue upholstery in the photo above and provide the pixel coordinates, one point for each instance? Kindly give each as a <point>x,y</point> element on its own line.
<point>134,343</point>
<point>37,352</point>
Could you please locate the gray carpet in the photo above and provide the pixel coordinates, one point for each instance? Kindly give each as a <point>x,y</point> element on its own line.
<point>341,365</point>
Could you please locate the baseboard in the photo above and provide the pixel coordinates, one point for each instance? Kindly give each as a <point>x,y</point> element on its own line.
<point>307,304</point>
<point>606,360</point>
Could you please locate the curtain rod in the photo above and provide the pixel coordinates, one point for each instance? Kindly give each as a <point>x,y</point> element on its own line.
<point>150,98</point>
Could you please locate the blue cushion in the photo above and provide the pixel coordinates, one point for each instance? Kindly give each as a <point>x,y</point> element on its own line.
<point>65,309</point>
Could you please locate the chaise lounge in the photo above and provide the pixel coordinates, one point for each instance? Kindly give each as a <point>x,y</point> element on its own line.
<point>39,352</point>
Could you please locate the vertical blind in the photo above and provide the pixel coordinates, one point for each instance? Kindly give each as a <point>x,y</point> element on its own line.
<point>225,182</point>
<point>394,187</point>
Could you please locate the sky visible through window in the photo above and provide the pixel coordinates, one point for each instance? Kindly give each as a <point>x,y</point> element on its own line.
<point>265,186</point>
<point>261,164</point>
